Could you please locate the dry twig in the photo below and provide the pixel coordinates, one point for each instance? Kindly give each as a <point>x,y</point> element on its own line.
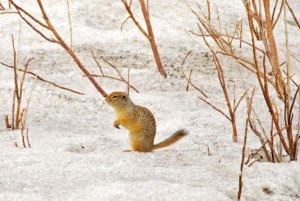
<point>293,13</point>
<point>244,147</point>
<point>120,78</point>
<point>43,79</point>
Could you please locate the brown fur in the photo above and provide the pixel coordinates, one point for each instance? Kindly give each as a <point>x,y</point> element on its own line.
<point>140,122</point>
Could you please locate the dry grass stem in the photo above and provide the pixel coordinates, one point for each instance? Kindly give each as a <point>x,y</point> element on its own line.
<point>240,188</point>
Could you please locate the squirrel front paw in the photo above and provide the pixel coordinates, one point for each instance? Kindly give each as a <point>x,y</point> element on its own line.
<point>116,124</point>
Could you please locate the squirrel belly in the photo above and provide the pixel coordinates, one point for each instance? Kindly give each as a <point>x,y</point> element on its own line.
<point>140,122</point>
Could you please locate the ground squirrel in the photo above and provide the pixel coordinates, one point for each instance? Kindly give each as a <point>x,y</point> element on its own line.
<point>140,122</point>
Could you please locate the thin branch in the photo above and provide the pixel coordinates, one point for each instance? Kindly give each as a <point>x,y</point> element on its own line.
<point>128,9</point>
<point>34,28</point>
<point>258,150</point>
<point>27,138</point>
<point>194,86</point>
<point>123,23</point>
<point>121,78</point>
<point>21,10</point>
<point>288,106</point>
<point>293,102</point>
<point>215,108</point>
<point>15,68</point>
<point>70,25</point>
<point>186,56</point>
<point>278,16</point>
<point>189,80</point>
<point>1,7</point>
<point>239,101</point>
<point>8,12</point>
<point>128,80</point>
<point>293,14</point>
<point>262,141</point>
<point>244,147</point>
<point>274,9</point>
<point>98,64</point>
<point>43,80</point>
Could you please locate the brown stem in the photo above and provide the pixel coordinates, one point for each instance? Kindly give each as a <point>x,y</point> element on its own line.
<point>293,14</point>
<point>137,24</point>
<point>194,86</point>
<point>216,108</point>
<point>273,50</point>
<point>244,147</point>
<point>151,39</point>
<point>43,80</point>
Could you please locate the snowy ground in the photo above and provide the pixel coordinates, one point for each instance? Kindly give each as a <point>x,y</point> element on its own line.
<point>76,152</point>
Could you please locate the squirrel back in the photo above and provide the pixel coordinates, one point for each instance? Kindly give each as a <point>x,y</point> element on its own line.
<point>140,122</point>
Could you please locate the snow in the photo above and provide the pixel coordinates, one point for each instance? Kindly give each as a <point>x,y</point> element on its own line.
<point>77,154</point>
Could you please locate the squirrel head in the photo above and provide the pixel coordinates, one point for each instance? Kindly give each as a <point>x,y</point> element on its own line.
<point>118,100</point>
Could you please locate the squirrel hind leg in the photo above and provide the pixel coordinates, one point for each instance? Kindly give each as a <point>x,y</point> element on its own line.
<point>140,148</point>
<point>140,144</point>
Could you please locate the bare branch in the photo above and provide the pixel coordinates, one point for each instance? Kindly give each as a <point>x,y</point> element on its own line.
<point>43,80</point>
<point>127,18</point>
<point>194,86</point>
<point>244,147</point>
<point>215,108</point>
<point>186,56</point>
<point>128,9</point>
<point>121,78</point>
<point>293,14</point>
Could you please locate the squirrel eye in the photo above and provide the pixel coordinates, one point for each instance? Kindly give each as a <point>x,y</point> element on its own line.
<point>124,97</point>
<point>114,97</point>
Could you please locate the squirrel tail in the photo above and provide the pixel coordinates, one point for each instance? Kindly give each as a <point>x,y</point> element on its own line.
<point>172,139</point>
